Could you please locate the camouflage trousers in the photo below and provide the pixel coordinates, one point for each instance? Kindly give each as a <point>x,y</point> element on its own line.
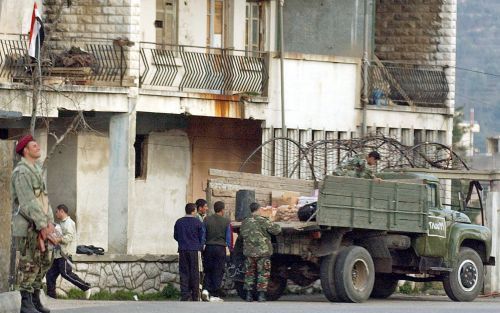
<point>260,267</point>
<point>33,264</point>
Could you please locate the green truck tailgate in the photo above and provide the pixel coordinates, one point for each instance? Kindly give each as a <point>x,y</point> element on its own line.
<point>368,204</point>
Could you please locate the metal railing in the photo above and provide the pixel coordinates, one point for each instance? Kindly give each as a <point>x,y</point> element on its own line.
<point>94,61</point>
<point>407,84</point>
<point>202,68</point>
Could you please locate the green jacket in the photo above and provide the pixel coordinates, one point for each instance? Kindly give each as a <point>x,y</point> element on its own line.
<point>27,191</point>
<point>256,232</point>
<point>354,167</point>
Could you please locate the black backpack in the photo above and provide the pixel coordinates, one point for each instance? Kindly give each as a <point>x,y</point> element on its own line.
<point>307,211</point>
<point>89,250</point>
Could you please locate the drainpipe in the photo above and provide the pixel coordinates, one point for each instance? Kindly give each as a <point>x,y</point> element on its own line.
<point>284,132</point>
<point>366,63</point>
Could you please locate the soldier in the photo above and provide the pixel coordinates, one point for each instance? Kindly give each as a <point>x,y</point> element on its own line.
<point>256,231</point>
<point>358,167</point>
<point>32,225</point>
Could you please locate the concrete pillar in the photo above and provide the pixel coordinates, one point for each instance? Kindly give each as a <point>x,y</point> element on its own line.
<point>121,178</point>
<point>492,279</point>
<point>6,165</point>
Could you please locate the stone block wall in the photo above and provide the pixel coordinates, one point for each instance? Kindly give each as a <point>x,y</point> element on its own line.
<point>94,21</point>
<point>137,276</point>
<point>418,31</point>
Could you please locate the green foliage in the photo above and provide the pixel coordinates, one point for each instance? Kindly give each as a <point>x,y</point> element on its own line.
<point>169,292</point>
<point>406,288</point>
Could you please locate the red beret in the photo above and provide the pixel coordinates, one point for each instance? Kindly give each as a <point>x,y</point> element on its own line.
<point>22,143</point>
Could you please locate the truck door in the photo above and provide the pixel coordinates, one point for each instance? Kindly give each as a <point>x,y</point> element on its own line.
<point>438,224</point>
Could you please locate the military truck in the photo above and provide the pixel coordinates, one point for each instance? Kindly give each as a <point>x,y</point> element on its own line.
<point>368,234</point>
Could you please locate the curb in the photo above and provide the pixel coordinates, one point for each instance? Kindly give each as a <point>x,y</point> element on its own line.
<point>10,302</point>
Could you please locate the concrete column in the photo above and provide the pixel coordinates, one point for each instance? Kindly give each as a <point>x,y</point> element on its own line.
<point>492,279</point>
<point>121,178</point>
<point>6,165</point>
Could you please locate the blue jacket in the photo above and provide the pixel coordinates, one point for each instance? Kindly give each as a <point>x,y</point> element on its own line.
<point>189,233</point>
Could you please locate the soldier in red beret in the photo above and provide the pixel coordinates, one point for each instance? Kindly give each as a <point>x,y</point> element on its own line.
<point>33,224</point>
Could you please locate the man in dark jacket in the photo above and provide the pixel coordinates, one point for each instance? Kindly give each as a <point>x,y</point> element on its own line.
<point>219,233</point>
<point>190,236</point>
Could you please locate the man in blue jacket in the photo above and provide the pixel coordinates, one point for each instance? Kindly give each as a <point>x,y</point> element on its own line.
<point>190,236</point>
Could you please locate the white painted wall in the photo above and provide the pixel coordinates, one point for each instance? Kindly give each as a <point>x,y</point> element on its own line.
<point>15,16</point>
<point>398,119</point>
<point>92,189</point>
<point>192,23</point>
<point>161,197</point>
<point>318,94</point>
<point>148,16</point>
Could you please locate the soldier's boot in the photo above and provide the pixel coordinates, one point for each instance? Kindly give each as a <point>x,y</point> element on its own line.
<point>27,305</point>
<point>249,297</point>
<point>262,296</point>
<point>38,304</point>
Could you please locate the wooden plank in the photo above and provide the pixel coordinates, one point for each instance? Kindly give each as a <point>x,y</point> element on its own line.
<point>263,179</point>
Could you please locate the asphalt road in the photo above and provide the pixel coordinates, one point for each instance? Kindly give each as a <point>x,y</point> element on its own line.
<point>287,304</point>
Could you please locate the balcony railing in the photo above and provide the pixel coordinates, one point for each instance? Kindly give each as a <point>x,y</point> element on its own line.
<point>184,68</point>
<point>82,62</point>
<point>407,84</point>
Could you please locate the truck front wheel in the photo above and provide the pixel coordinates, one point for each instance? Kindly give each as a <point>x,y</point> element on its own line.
<point>466,280</point>
<point>354,274</point>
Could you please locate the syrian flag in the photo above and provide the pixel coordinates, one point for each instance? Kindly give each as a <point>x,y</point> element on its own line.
<point>36,34</point>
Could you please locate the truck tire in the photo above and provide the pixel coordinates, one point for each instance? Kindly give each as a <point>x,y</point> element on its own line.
<point>354,274</point>
<point>327,277</point>
<point>466,280</point>
<point>275,289</point>
<point>384,286</point>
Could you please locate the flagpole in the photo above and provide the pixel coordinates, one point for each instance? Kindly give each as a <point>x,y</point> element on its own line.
<point>36,88</point>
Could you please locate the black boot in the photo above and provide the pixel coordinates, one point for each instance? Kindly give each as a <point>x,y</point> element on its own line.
<point>27,305</point>
<point>262,296</point>
<point>249,297</point>
<point>38,304</point>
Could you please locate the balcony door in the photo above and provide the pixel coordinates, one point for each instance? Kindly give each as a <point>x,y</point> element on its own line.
<point>166,22</point>
<point>215,23</point>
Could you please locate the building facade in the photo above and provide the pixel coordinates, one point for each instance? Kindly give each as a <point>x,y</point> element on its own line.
<point>172,88</point>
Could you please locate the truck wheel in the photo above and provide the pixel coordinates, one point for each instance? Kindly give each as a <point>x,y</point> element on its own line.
<point>354,274</point>
<point>275,289</point>
<point>327,276</point>
<point>384,286</point>
<point>466,280</point>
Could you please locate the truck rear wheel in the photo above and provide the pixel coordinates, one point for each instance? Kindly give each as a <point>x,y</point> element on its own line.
<point>384,286</point>
<point>327,276</point>
<point>354,274</point>
<point>466,280</point>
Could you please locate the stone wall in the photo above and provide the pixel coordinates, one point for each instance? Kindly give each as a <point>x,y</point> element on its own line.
<point>140,275</point>
<point>418,31</point>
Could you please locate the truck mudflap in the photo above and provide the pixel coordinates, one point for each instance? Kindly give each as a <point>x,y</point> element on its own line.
<point>491,261</point>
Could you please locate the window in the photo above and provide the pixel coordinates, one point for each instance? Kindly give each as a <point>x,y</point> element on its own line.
<point>141,156</point>
<point>431,196</point>
<point>252,39</point>
<point>215,23</point>
<point>166,22</point>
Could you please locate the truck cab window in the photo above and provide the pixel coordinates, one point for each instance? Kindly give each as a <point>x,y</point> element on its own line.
<point>431,195</point>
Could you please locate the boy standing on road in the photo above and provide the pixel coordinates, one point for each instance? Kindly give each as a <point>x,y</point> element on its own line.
<point>190,236</point>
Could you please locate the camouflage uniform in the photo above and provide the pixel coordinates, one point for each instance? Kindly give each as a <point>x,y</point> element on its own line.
<point>355,167</point>
<point>30,198</point>
<point>257,248</point>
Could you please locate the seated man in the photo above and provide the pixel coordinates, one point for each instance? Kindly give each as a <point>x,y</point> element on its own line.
<point>358,166</point>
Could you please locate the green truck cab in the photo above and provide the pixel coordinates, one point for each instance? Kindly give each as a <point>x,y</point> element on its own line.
<point>369,234</point>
